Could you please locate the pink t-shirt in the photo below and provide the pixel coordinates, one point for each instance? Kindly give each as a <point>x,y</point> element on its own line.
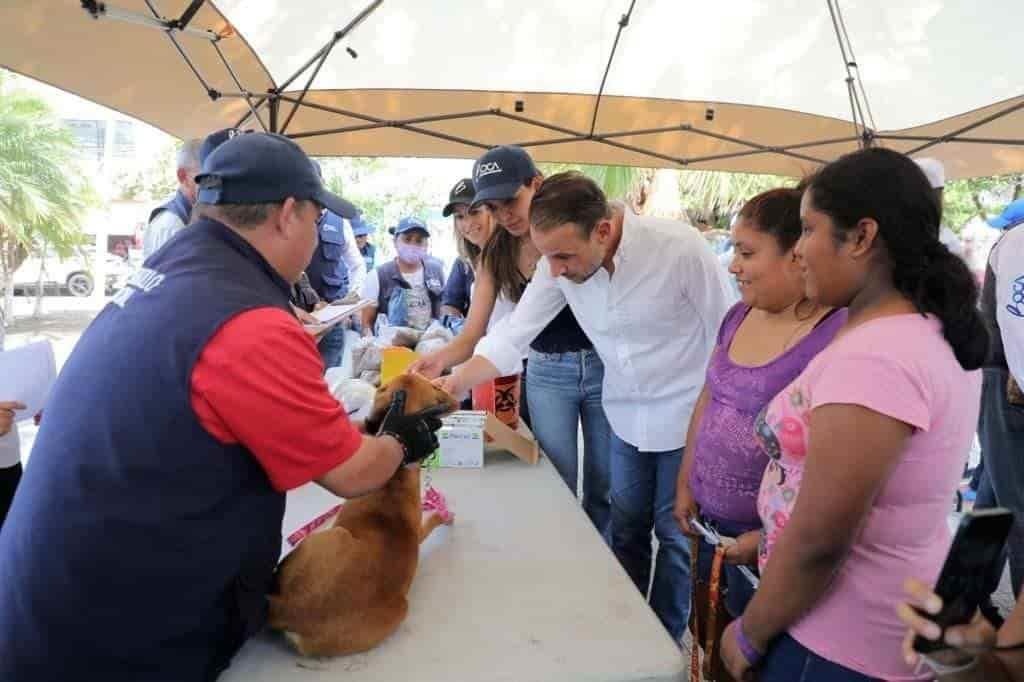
<point>902,367</point>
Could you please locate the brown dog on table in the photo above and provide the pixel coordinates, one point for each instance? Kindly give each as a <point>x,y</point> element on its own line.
<point>344,590</point>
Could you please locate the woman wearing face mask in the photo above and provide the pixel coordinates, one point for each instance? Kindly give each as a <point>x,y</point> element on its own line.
<point>408,288</point>
<point>473,227</point>
<point>867,445</point>
<point>765,341</point>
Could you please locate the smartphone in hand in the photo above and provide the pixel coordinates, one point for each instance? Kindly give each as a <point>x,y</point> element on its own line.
<point>964,581</point>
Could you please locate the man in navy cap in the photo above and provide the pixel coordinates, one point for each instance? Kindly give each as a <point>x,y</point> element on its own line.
<point>336,268</point>
<point>143,538</point>
<point>407,289</point>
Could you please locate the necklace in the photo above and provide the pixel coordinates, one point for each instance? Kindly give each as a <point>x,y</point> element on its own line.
<point>803,324</point>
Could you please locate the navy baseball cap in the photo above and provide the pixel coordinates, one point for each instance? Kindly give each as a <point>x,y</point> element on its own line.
<point>263,168</point>
<point>462,193</point>
<point>361,228</point>
<point>1011,216</point>
<point>409,224</point>
<point>216,139</point>
<point>500,172</point>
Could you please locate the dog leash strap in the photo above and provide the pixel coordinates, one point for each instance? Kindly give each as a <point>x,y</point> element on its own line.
<point>714,599</point>
<point>694,639</point>
<point>307,530</point>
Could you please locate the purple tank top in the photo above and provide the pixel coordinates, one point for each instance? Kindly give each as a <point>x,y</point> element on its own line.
<point>726,474</point>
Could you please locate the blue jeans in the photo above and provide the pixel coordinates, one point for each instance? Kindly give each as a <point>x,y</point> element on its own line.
<point>1001,433</point>
<point>332,345</point>
<point>643,486</point>
<point>564,389</point>
<point>734,587</point>
<point>790,661</point>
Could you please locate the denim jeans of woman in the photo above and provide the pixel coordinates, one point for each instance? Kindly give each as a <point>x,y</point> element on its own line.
<point>565,390</point>
<point>643,495</point>
<point>788,660</point>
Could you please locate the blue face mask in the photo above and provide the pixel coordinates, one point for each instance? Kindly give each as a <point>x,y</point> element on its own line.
<point>411,253</point>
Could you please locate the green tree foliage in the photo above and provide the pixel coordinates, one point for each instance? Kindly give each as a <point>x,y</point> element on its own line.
<point>155,181</point>
<point>42,196</point>
<point>617,182</point>
<point>979,197</point>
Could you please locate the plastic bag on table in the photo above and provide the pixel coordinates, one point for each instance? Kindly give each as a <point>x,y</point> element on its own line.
<point>371,377</point>
<point>356,395</point>
<point>428,346</point>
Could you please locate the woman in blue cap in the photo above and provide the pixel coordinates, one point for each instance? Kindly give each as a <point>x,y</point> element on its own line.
<point>408,288</point>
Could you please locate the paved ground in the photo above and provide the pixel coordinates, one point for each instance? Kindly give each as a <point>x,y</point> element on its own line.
<point>64,319</point>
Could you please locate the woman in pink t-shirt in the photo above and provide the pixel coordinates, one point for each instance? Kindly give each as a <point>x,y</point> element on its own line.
<point>866,446</point>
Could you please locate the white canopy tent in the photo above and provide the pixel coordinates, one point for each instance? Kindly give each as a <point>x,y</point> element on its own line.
<point>765,86</point>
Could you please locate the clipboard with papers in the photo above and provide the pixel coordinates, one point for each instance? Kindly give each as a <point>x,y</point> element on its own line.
<point>331,315</point>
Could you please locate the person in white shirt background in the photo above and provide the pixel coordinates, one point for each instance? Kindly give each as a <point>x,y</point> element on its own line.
<point>1001,425</point>
<point>650,295</point>
<point>10,447</point>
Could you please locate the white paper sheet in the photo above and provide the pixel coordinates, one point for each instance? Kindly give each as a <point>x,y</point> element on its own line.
<point>26,374</point>
<point>333,312</point>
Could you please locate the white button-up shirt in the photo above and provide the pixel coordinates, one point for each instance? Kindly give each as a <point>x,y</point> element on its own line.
<point>654,323</point>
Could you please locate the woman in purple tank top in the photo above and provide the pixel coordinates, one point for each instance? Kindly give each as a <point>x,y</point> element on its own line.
<point>764,343</point>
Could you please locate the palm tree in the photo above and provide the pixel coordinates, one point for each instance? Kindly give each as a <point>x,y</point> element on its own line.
<point>702,197</point>
<point>42,196</point>
<point>710,197</point>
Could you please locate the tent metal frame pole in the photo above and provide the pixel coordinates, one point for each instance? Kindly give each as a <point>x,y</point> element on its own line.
<point>755,145</point>
<point>966,140</point>
<point>274,105</point>
<point>169,27</point>
<point>645,152</point>
<point>338,35</point>
<point>860,126</point>
<point>211,93</point>
<point>100,10</point>
<point>309,82</point>
<point>960,131</point>
<point>374,123</point>
<point>186,17</point>
<point>623,23</point>
<point>234,77</point>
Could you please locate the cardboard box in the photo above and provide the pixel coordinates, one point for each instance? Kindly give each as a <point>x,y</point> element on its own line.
<point>462,446</point>
<point>467,435</point>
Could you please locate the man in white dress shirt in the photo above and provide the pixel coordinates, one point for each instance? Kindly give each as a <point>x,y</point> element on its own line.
<point>650,295</point>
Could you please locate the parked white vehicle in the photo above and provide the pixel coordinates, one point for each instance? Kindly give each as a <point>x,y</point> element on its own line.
<point>73,274</point>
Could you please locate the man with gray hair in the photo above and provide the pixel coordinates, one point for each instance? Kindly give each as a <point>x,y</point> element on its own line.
<point>169,218</point>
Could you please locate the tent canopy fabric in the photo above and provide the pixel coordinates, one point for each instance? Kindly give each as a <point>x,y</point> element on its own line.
<point>746,85</point>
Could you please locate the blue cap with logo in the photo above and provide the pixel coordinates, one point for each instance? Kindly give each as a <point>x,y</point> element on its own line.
<point>463,192</point>
<point>409,224</point>
<point>216,139</point>
<point>1011,216</point>
<point>500,172</point>
<point>263,168</point>
<point>361,228</point>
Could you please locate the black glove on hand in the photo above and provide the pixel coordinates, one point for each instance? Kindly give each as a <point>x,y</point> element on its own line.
<point>416,432</point>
